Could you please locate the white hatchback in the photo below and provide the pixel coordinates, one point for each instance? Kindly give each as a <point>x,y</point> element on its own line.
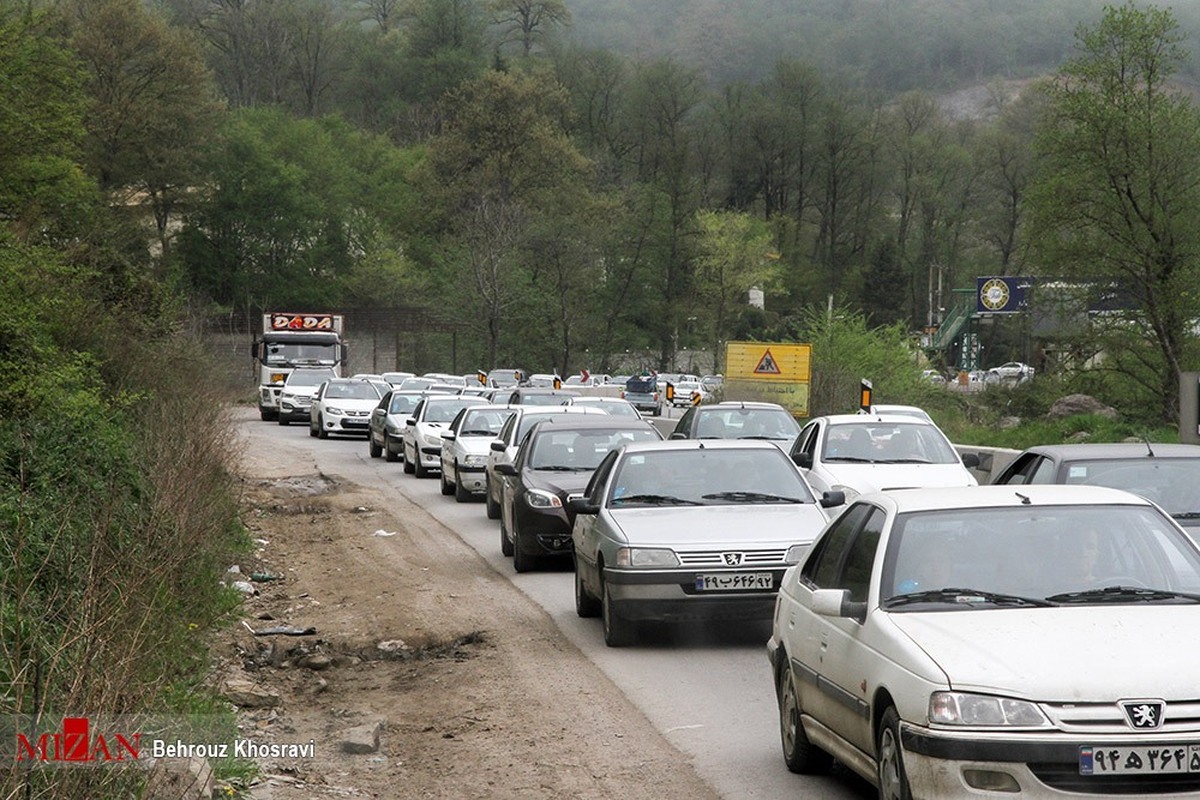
<point>858,453</point>
<point>994,641</point>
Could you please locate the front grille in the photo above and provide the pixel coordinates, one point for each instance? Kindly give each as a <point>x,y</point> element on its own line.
<point>716,558</point>
<point>1181,717</point>
<point>1066,778</point>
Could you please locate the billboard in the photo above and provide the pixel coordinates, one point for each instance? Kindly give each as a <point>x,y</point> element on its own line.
<point>1001,294</point>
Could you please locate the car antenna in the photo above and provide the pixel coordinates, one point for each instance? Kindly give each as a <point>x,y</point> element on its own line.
<point>1024,498</point>
<point>1149,450</point>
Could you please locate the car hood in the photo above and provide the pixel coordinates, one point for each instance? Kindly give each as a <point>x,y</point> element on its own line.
<point>874,477</point>
<point>475,445</point>
<point>1095,653</point>
<point>300,391</point>
<point>785,524</point>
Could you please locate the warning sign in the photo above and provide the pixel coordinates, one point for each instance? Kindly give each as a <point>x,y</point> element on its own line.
<point>766,365</point>
<point>771,371</point>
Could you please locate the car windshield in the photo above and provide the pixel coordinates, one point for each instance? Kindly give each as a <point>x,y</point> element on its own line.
<point>540,399</point>
<point>888,443</point>
<point>712,476</point>
<point>617,408</point>
<point>567,450</point>
<point>446,410</point>
<point>354,390</point>
<point>306,378</point>
<point>417,383</point>
<point>737,422</point>
<point>483,421</point>
<point>403,403</point>
<point>1057,555</point>
<point>1170,482</point>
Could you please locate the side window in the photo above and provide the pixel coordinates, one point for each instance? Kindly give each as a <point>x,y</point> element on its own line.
<point>856,576</point>
<point>383,403</point>
<point>1043,471</point>
<point>595,487</point>
<point>685,422</point>
<point>1018,472</point>
<point>822,568</point>
<point>506,431</point>
<point>808,438</point>
<point>417,411</point>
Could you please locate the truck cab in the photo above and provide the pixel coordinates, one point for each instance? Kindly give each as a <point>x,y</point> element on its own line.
<point>290,341</point>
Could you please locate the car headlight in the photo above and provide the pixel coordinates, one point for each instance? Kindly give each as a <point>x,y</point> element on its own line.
<point>646,557</point>
<point>795,553</point>
<point>433,439</point>
<point>474,461</point>
<point>540,498</point>
<point>335,410</point>
<point>984,711</point>
<point>849,491</point>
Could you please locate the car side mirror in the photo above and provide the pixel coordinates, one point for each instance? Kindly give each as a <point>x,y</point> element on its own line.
<point>833,499</point>
<point>678,435</point>
<point>505,468</point>
<point>802,460</point>
<point>448,436</point>
<point>970,460</point>
<point>410,421</point>
<point>581,505</point>
<point>497,446</point>
<point>837,603</point>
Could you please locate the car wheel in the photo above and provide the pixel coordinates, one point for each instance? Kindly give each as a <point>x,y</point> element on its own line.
<point>618,631</point>
<point>284,421</point>
<point>321,432</point>
<point>267,416</point>
<point>389,452</point>
<point>893,782</point>
<point>493,508</point>
<point>375,450</point>
<point>409,466</point>
<point>419,469</point>
<point>585,604</point>
<point>447,486</point>
<point>522,561</point>
<point>461,493</point>
<point>312,429</point>
<point>506,545</point>
<point>800,755</point>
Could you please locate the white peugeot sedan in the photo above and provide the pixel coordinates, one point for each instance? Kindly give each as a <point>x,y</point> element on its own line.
<point>689,530</point>
<point>859,453</point>
<point>342,405</point>
<point>465,447</point>
<point>996,641</point>
<point>423,431</point>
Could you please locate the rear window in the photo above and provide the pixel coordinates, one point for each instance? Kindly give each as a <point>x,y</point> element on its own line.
<point>641,385</point>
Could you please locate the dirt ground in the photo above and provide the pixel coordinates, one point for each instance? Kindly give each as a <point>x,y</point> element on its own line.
<point>473,690</point>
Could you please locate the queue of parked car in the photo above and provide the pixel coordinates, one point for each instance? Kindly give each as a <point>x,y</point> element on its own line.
<point>936,637</point>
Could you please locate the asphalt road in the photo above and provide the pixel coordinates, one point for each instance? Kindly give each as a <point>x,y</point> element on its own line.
<point>707,689</point>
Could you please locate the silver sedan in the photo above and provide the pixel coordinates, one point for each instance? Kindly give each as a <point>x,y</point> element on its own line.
<point>689,529</point>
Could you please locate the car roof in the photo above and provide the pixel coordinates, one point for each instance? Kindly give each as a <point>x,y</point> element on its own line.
<point>593,422</point>
<point>859,419</point>
<point>993,496</point>
<point>744,404</point>
<point>1069,452</point>
<point>704,444</point>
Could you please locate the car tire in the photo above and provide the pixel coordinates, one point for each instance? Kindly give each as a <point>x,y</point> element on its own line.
<point>799,754</point>
<point>375,450</point>
<point>409,466</point>
<point>447,487</point>
<point>321,432</point>
<point>267,416</point>
<point>312,430</point>
<point>618,631</point>
<point>284,420</point>
<point>893,781</point>
<point>389,452</point>
<point>506,545</point>
<point>493,508</point>
<point>419,469</point>
<point>461,493</point>
<point>585,604</point>
<point>522,561</point>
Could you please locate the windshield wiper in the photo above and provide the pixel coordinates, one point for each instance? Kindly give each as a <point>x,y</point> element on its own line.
<point>657,500</point>
<point>1121,594</point>
<point>964,596</point>
<point>855,459</point>
<point>477,433</point>
<point>903,461</point>
<point>1186,515</point>
<point>751,497</point>
<point>555,468</point>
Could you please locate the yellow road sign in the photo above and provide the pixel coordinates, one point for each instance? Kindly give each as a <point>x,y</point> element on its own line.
<point>768,361</point>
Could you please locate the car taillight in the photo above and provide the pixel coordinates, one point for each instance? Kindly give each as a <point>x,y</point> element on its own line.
<point>622,394</point>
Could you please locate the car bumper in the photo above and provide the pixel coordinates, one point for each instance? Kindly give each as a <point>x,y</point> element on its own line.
<point>669,596</point>
<point>543,534</point>
<point>954,764</point>
<point>472,479</point>
<point>431,457</point>
<point>294,413</point>
<point>360,425</point>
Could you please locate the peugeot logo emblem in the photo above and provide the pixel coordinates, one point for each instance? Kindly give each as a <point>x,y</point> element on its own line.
<point>1143,714</point>
<point>732,559</point>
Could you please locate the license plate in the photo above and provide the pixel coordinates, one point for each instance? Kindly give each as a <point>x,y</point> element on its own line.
<point>734,581</point>
<point>1147,760</point>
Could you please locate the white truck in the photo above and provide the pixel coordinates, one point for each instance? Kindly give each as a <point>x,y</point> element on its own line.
<point>290,340</point>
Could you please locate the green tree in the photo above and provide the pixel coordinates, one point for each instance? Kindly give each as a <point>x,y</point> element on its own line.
<point>733,256</point>
<point>1117,192</point>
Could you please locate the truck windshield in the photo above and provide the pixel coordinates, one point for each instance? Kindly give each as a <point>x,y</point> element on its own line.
<point>297,353</point>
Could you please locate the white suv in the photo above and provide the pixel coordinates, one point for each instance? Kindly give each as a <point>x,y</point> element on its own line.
<point>296,396</point>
